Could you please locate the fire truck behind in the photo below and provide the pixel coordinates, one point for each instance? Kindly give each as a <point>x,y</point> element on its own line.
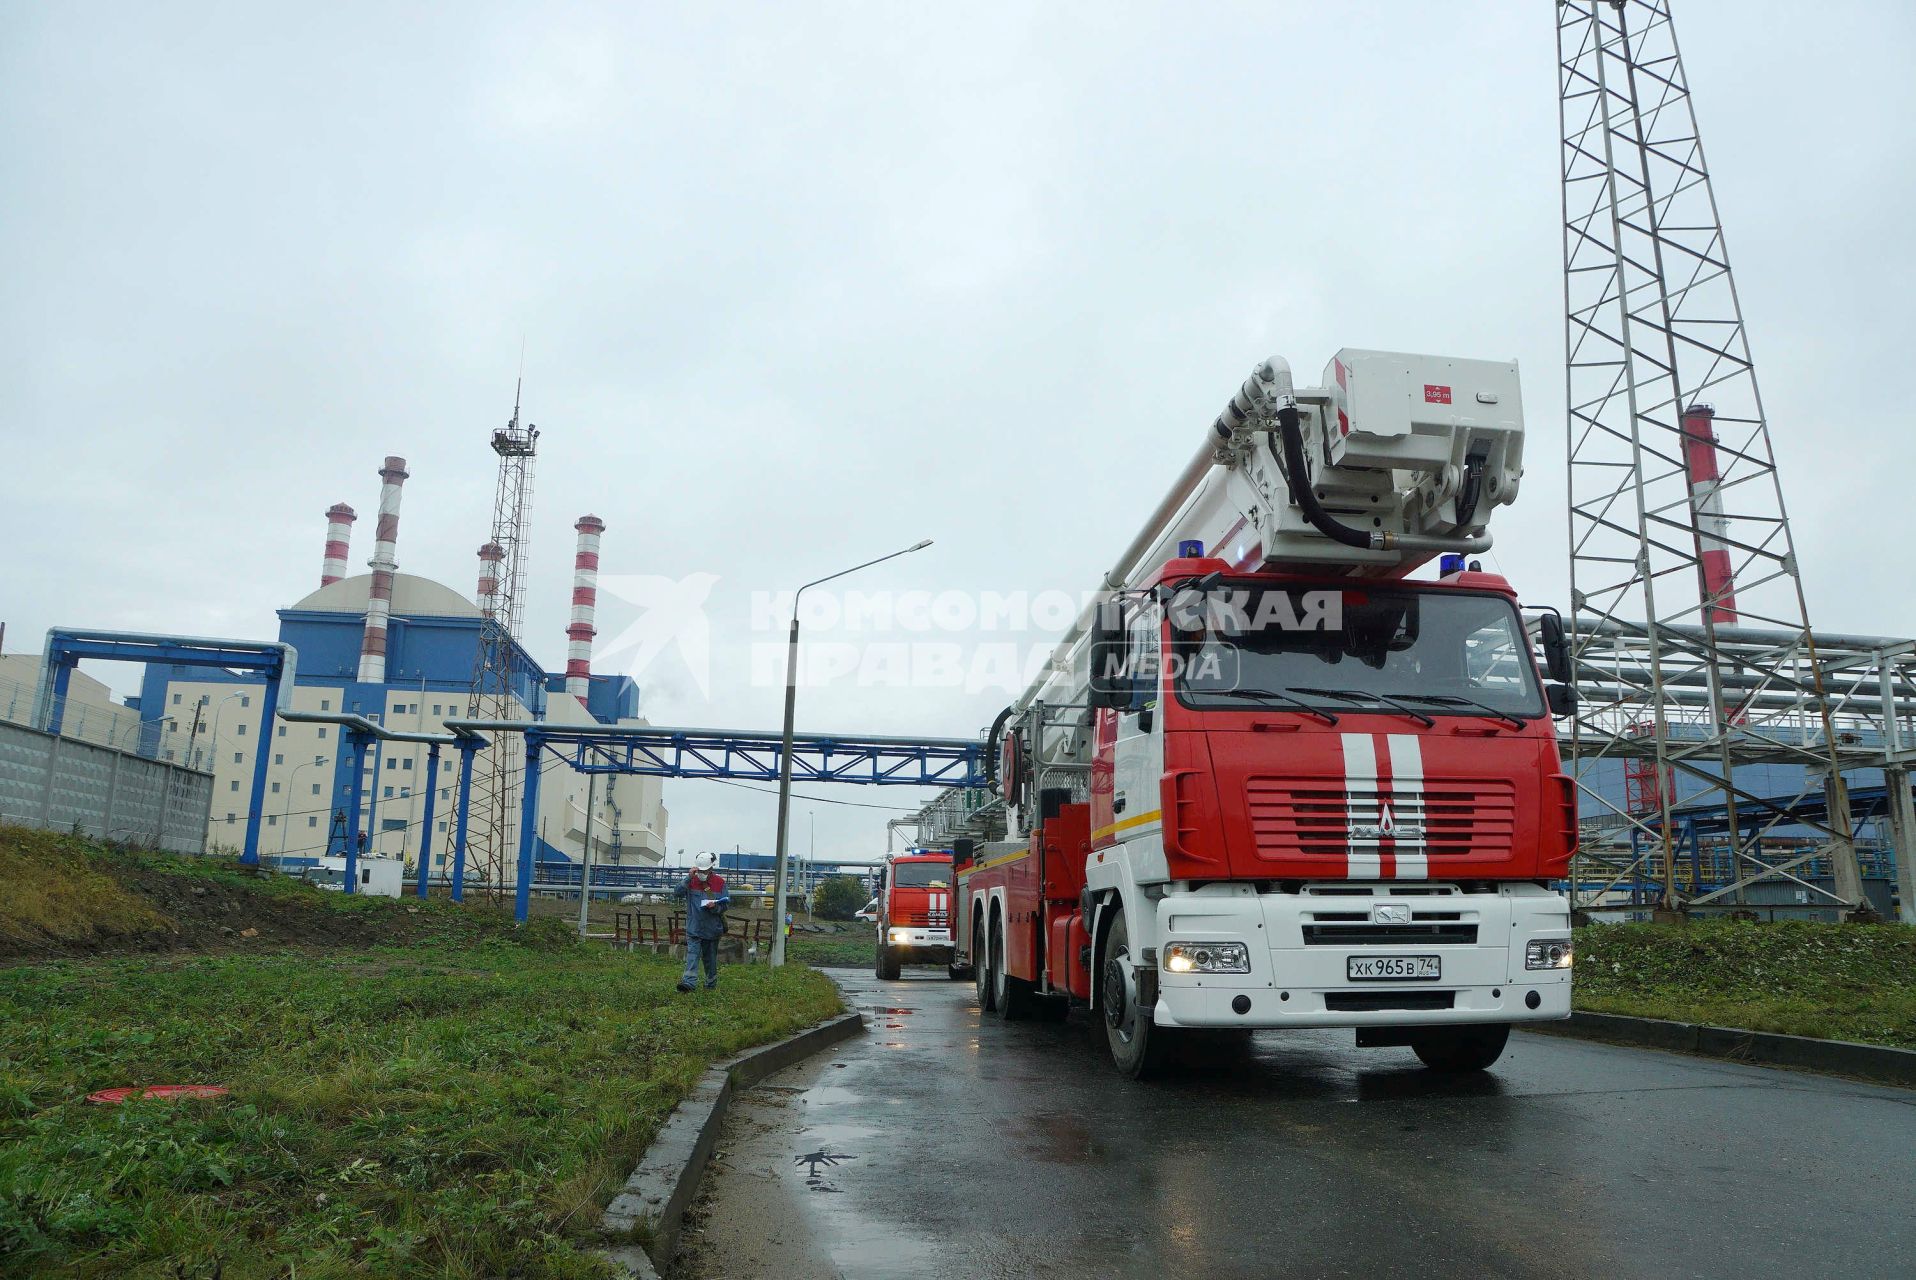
<point>914,913</point>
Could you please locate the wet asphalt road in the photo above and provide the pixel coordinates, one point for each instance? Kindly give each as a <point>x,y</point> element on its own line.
<point>946,1143</point>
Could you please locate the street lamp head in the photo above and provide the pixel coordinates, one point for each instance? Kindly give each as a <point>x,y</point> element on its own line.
<point>919,546</point>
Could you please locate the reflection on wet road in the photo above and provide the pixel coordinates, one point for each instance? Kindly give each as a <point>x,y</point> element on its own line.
<point>944,1143</point>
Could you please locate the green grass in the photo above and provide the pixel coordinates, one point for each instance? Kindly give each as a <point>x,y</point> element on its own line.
<point>842,950</point>
<point>460,1105</point>
<point>459,1112</point>
<point>1834,982</point>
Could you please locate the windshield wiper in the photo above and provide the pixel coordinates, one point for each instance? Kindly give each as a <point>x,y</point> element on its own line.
<point>1450,700</point>
<point>1364,695</point>
<point>1275,696</point>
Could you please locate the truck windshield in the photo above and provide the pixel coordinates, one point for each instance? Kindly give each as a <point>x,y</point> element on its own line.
<point>1439,652</point>
<point>921,875</point>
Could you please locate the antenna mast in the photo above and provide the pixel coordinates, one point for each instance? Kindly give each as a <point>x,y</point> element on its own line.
<point>1692,636</point>
<point>495,669</point>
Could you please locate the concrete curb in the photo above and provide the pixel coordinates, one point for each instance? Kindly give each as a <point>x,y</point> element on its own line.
<point>668,1176</point>
<point>1877,1063</point>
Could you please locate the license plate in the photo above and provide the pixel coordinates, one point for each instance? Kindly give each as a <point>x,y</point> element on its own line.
<point>1392,968</point>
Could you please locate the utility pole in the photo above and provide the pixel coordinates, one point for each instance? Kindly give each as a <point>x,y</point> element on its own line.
<point>193,734</point>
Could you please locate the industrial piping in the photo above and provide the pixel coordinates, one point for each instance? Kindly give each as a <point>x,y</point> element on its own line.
<point>585,603</point>
<point>379,600</point>
<point>339,535</point>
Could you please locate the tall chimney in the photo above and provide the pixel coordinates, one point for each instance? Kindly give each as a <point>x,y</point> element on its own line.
<point>585,603</point>
<point>379,601</point>
<point>339,533</point>
<point>490,557</point>
<point>1706,512</point>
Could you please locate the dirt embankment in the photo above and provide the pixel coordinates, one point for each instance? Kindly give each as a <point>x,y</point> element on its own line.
<point>68,896</point>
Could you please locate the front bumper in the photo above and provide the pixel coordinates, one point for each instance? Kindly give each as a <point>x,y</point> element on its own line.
<point>1297,982</point>
<point>919,941</point>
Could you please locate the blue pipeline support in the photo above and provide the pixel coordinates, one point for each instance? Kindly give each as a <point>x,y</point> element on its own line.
<point>372,799</point>
<point>467,750</point>
<point>528,828</point>
<point>262,755</point>
<point>276,663</point>
<point>57,702</point>
<point>358,741</point>
<point>425,826</point>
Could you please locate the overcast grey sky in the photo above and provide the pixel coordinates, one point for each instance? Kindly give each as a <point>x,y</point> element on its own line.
<point>800,284</point>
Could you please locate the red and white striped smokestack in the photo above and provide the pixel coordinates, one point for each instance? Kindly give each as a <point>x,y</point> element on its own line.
<point>490,557</point>
<point>379,601</point>
<point>585,603</point>
<point>339,533</point>
<point>1706,508</point>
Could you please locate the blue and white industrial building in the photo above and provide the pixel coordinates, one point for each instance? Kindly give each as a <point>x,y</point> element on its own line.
<point>212,718</point>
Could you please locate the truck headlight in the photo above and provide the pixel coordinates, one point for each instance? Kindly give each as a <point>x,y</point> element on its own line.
<point>898,935</point>
<point>1207,957</point>
<point>1547,953</point>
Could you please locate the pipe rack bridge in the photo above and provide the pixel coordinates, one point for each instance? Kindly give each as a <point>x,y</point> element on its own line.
<point>667,752</point>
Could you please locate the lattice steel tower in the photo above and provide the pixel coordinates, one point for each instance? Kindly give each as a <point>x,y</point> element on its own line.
<point>502,583</point>
<point>1692,634</point>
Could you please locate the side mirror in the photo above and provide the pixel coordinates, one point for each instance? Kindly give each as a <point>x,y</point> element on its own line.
<point>1562,699</point>
<point>1110,683</point>
<point>1556,648</point>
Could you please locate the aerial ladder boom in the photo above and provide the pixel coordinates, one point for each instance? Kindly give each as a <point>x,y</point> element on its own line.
<point>1394,460</point>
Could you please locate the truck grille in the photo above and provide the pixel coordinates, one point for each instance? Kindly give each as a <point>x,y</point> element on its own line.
<point>1310,817</point>
<point>1374,1001</point>
<point>1389,935</point>
<point>925,920</point>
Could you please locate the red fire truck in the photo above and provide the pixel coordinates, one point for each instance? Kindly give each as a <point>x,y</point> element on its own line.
<point>1270,781</point>
<point>914,913</point>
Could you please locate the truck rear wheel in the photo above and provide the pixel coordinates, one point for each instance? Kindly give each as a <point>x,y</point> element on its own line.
<point>981,966</point>
<point>888,963</point>
<point>1013,997</point>
<point>1460,1049</point>
<point>1138,1046</point>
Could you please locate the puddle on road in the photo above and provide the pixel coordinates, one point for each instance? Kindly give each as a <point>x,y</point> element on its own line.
<point>829,1095</point>
<point>818,1166</point>
<point>864,1245</point>
<point>1063,1140</point>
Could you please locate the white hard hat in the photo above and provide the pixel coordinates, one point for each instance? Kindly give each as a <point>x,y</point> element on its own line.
<point>704,862</point>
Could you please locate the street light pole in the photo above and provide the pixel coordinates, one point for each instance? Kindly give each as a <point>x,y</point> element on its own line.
<point>785,754</point>
<point>286,810</point>
<point>218,711</point>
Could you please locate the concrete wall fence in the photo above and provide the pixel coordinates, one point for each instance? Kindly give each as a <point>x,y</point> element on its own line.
<point>58,783</point>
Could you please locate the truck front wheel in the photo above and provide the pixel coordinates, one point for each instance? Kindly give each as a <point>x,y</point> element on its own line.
<point>888,963</point>
<point>1460,1049</point>
<point>1138,1046</point>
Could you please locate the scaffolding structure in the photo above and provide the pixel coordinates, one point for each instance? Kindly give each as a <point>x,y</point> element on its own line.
<point>495,783</point>
<point>1678,531</point>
